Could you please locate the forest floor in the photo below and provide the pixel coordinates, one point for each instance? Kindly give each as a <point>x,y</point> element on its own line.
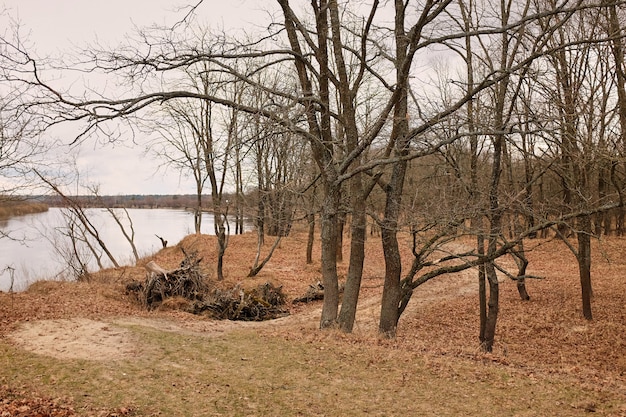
<point>88,348</point>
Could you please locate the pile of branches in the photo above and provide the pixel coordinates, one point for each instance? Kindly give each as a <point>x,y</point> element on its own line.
<point>315,292</point>
<point>265,302</point>
<point>186,281</point>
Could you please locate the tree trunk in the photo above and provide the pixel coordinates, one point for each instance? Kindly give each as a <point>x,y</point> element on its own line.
<point>197,214</point>
<point>358,195</point>
<point>529,205</point>
<point>521,289</point>
<point>260,218</point>
<point>391,289</point>
<point>522,264</point>
<point>322,146</point>
<point>482,289</point>
<point>619,217</point>
<point>355,269</point>
<point>389,312</point>
<point>617,48</point>
<point>329,258</point>
<point>238,192</point>
<point>493,308</point>
<point>584,263</point>
<point>222,241</point>
<point>495,231</point>
<point>257,267</point>
<point>341,222</point>
<point>311,238</point>
<point>495,223</point>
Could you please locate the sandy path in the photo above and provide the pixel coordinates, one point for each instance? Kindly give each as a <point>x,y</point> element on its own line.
<point>74,339</point>
<point>81,338</point>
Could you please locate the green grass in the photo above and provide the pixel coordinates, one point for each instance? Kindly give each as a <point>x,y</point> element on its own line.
<point>245,374</point>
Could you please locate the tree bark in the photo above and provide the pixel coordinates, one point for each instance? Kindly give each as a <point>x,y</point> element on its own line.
<point>617,48</point>
<point>493,308</point>
<point>357,258</point>
<point>583,235</point>
<point>197,213</point>
<point>330,306</point>
<point>222,240</point>
<point>311,237</point>
<point>357,193</point>
<point>257,267</point>
<point>389,313</point>
<point>482,290</point>
<point>341,222</point>
<point>321,143</point>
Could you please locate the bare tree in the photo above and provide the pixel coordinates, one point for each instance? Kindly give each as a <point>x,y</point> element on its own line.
<point>615,32</point>
<point>338,54</point>
<point>579,73</point>
<point>179,146</point>
<point>21,142</point>
<point>128,229</point>
<point>195,145</point>
<point>81,218</point>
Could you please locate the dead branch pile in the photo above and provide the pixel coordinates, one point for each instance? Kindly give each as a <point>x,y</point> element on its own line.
<point>185,281</point>
<point>262,303</point>
<point>265,302</point>
<point>315,292</point>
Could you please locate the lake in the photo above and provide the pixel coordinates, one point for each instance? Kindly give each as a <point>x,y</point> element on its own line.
<point>31,254</point>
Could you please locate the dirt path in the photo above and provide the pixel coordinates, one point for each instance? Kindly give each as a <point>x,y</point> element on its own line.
<point>74,339</point>
<point>80,338</point>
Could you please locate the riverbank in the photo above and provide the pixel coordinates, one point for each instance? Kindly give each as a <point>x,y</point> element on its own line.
<point>43,257</point>
<point>10,209</point>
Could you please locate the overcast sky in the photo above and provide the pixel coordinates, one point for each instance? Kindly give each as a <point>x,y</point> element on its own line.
<point>54,26</point>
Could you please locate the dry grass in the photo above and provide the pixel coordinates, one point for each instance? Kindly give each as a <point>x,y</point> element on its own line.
<point>547,360</point>
<point>243,373</point>
<point>10,209</point>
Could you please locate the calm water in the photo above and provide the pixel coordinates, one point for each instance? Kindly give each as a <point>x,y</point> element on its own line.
<point>32,255</point>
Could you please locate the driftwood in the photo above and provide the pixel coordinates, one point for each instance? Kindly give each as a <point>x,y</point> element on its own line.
<point>262,303</point>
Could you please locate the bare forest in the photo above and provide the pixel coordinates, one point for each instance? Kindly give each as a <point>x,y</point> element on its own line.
<point>461,138</point>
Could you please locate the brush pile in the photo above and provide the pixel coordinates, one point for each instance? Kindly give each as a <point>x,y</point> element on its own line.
<point>314,292</point>
<point>265,302</point>
<point>188,282</point>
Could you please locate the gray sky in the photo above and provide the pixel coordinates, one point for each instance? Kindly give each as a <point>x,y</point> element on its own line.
<point>54,26</point>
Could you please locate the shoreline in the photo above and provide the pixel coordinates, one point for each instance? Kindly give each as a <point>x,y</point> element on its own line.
<point>15,209</point>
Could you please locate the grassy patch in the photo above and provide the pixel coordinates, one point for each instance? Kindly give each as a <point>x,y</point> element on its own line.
<point>244,373</point>
<point>19,208</point>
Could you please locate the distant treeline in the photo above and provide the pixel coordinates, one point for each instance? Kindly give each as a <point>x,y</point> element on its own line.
<point>129,201</point>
